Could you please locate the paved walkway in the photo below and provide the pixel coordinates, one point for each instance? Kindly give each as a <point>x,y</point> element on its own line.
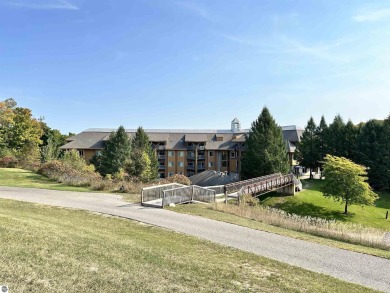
<point>350,266</point>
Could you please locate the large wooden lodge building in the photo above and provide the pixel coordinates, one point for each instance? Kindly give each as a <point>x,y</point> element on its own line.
<point>187,152</point>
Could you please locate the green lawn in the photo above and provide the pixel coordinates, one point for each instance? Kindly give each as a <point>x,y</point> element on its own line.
<point>23,178</point>
<point>207,212</point>
<point>48,249</point>
<point>311,202</point>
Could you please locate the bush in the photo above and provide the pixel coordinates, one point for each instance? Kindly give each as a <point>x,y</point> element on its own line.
<point>64,173</point>
<point>181,179</point>
<point>248,200</point>
<point>8,162</point>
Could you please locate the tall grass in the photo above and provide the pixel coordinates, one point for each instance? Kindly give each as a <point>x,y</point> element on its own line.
<point>347,232</point>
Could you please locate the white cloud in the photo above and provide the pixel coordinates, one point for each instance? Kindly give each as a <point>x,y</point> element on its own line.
<point>283,45</point>
<point>196,9</point>
<point>373,15</point>
<point>41,4</point>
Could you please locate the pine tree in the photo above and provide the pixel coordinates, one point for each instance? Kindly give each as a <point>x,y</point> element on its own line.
<point>372,151</point>
<point>141,147</point>
<point>336,137</point>
<point>350,136</point>
<point>386,151</point>
<point>322,133</point>
<point>265,149</point>
<point>308,147</point>
<point>116,153</point>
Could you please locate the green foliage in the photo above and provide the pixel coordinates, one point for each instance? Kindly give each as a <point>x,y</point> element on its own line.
<point>321,133</point>
<point>52,140</point>
<point>116,154</point>
<point>19,132</point>
<point>71,169</point>
<point>74,161</point>
<point>372,150</point>
<point>265,149</point>
<point>346,182</point>
<point>336,137</point>
<point>309,151</point>
<point>143,163</point>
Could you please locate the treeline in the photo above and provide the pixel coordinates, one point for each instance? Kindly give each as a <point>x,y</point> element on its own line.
<point>25,140</point>
<point>367,144</point>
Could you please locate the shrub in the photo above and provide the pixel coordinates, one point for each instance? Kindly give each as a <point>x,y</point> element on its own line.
<point>64,173</point>
<point>8,162</point>
<point>248,200</point>
<point>181,179</point>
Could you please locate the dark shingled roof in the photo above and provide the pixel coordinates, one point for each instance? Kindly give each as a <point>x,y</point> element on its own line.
<point>178,139</point>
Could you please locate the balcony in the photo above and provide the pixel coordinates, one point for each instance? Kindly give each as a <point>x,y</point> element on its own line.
<point>191,147</point>
<point>201,167</point>
<point>161,167</point>
<point>201,157</point>
<point>190,167</point>
<point>161,157</point>
<point>190,157</point>
<point>161,147</point>
<point>202,147</point>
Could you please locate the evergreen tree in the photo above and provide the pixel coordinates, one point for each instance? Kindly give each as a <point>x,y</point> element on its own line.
<point>308,147</point>
<point>372,151</point>
<point>146,169</point>
<point>386,150</point>
<point>265,149</point>
<point>350,136</point>
<point>116,154</point>
<point>336,137</point>
<point>322,136</point>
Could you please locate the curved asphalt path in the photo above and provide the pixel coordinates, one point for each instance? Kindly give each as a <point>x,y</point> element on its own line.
<point>350,266</point>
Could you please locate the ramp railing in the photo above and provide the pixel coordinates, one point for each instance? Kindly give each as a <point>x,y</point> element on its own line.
<point>156,192</point>
<point>187,194</point>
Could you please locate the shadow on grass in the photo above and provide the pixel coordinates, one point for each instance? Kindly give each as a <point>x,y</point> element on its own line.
<point>309,209</point>
<point>383,201</point>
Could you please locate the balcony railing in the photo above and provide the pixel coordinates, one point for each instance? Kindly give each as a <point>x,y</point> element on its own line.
<point>201,167</point>
<point>191,167</point>
<point>201,157</point>
<point>190,157</point>
<point>161,167</point>
<point>161,157</point>
<point>161,147</point>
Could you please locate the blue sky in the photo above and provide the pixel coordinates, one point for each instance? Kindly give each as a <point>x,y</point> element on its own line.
<point>194,64</point>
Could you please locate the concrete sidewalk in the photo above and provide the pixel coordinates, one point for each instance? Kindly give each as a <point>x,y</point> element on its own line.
<point>350,266</point>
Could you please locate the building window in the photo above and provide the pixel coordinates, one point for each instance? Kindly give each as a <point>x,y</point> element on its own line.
<point>211,164</point>
<point>232,154</point>
<point>181,154</point>
<point>211,153</point>
<point>224,164</point>
<point>170,164</point>
<point>161,153</point>
<point>180,164</point>
<point>171,153</point>
<point>81,153</point>
<point>170,174</point>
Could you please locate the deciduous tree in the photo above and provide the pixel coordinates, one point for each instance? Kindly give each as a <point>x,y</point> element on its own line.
<point>345,181</point>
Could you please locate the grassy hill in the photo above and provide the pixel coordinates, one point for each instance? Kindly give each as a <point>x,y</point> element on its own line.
<point>47,249</point>
<point>311,202</point>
